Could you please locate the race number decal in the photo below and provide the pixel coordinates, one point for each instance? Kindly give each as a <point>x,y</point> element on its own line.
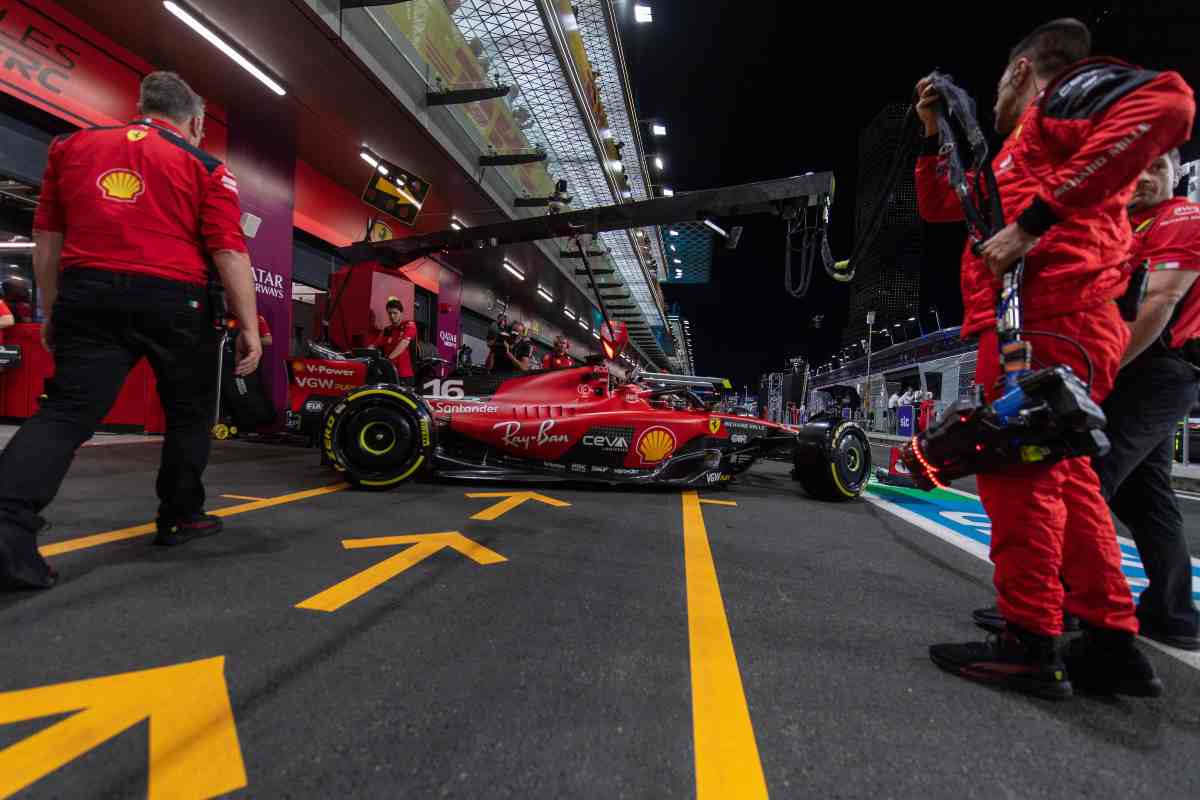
<point>450,390</point>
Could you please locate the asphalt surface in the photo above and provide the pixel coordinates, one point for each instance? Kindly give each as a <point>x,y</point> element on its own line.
<point>564,670</point>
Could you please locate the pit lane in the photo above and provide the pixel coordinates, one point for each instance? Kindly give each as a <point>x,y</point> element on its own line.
<point>566,669</point>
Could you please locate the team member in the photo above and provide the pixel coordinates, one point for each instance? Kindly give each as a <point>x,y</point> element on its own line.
<point>264,332</point>
<point>1065,174</point>
<point>131,216</point>
<point>561,357</point>
<point>397,340</point>
<point>1157,386</point>
<point>521,348</point>
<point>7,320</point>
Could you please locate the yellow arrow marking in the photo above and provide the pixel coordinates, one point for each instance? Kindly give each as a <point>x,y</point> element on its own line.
<point>727,762</point>
<point>424,545</point>
<point>194,750</point>
<point>719,502</point>
<point>514,499</point>
<point>97,539</point>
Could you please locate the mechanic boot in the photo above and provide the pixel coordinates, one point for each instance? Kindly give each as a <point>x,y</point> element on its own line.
<point>1013,658</point>
<point>990,620</point>
<point>1104,661</point>
<point>21,565</point>
<point>170,535</point>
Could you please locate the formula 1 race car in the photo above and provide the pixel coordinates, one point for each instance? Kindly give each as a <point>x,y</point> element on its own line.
<point>577,424</point>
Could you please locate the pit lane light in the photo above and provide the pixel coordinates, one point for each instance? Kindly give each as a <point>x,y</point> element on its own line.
<point>658,163</point>
<point>717,229</point>
<point>643,14</point>
<point>456,224</point>
<point>187,18</point>
<point>667,192</point>
<point>366,155</point>
<point>674,232</point>
<point>17,245</point>
<point>569,313</point>
<point>582,324</point>
<point>658,129</point>
<point>511,267</point>
<point>545,294</point>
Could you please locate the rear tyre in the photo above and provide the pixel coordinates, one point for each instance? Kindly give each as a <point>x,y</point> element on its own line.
<point>832,460</point>
<point>378,436</point>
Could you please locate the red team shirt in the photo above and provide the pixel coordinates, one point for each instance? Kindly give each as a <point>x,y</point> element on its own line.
<point>139,199</point>
<point>1168,237</point>
<point>555,361</point>
<point>390,339</point>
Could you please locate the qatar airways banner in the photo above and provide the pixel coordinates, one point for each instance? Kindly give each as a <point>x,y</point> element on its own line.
<point>262,157</point>
<point>449,320</point>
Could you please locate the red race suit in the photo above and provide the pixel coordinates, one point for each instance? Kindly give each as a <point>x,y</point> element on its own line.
<point>1065,174</point>
<point>390,339</point>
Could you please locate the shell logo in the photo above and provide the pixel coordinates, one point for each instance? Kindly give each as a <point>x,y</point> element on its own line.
<point>655,444</point>
<point>136,135</point>
<point>121,185</point>
<point>298,366</point>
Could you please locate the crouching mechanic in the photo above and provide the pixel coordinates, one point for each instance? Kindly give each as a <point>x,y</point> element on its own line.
<point>1079,134</point>
<point>131,215</point>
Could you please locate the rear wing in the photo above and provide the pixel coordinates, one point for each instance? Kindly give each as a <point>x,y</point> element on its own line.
<point>665,379</point>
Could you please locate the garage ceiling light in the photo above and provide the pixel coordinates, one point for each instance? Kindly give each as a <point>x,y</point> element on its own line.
<point>16,245</point>
<point>226,48</point>
<point>570,314</point>
<point>508,265</point>
<point>643,14</point>
<point>545,294</point>
<point>658,129</point>
<point>456,224</point>
<point>583,324</point>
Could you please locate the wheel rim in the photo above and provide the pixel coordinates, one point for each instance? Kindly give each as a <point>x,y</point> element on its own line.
<point>852,461</point>
<point>377,438</point>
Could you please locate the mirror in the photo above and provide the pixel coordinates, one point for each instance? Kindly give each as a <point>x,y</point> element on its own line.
<point>614,336</point>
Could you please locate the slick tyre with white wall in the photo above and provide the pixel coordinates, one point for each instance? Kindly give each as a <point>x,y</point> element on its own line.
<point>378,436</point>
<point>832,459</point>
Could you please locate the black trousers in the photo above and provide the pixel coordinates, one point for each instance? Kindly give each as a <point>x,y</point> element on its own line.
<point>1150,396</point>
<point>103,323</point>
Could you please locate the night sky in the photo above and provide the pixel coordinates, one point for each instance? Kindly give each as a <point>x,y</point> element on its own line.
<point>787,89</point>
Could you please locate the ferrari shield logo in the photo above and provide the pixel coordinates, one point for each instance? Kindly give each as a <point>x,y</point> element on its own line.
<point>714,426</point>
<point>136,135</point>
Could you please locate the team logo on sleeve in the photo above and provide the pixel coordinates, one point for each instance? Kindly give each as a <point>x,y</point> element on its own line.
<point>121,185</point>
<point>136,135</point>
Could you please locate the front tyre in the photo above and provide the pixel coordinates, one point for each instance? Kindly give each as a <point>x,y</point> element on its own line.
<point>378,436</point>
<point>832,460</point>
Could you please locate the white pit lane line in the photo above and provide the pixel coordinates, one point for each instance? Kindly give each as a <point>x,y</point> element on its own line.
<point>980,551</point>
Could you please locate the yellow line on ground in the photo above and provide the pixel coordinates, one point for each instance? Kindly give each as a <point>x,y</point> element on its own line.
<point>727,762</point>
<point>718,502</point>
<point>241,497</point>
<point>97,539</point>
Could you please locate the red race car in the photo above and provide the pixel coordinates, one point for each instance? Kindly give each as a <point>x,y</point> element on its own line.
<point>577,424</point>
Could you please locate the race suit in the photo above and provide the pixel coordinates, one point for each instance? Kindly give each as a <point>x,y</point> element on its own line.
<point>1066,174</point>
